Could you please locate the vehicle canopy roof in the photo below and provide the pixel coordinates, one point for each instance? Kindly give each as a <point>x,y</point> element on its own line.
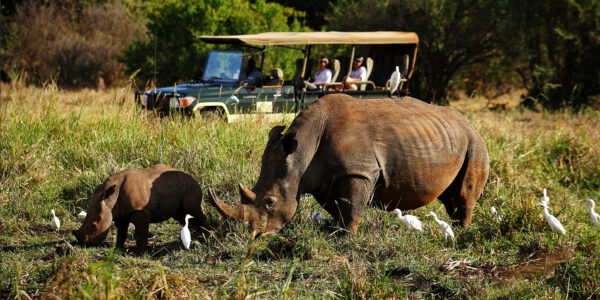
<point>315,38</point>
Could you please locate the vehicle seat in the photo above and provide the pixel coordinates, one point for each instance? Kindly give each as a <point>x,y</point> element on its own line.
<point>276,78</point>
<point>334,66</point>
<point>369,66</point>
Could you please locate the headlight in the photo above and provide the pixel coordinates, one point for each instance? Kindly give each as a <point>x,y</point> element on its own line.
<point>181,102</point>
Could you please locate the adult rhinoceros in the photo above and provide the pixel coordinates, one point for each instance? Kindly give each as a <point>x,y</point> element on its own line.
<point>398,153</point>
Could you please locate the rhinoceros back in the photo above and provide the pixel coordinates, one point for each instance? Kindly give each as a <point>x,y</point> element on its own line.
<point>413,149</point>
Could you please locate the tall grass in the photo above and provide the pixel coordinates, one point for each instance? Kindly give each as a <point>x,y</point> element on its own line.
<point>56,146</point>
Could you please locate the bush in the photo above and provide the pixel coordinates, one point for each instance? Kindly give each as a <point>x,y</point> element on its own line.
<point>453,35</point>
<point>79,49</point>
<point>173,28</point>
<point>556,51</point>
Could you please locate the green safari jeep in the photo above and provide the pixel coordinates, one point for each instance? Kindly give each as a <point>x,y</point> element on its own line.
<point>225,89</point>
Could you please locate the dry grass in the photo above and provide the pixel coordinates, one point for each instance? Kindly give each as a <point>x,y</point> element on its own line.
<point>57,145</point>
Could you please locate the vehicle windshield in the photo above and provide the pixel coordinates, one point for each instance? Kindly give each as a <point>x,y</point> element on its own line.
<point>223,65</point>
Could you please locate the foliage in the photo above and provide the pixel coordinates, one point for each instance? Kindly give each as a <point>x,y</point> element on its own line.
<point>58,145</point>
<point>79,49</point>
<point>479,46</point>
<point>172,47</point>
<point>555,50</point>
<point>453,35</point>
<point>551,46</point>
<point>316,10</point>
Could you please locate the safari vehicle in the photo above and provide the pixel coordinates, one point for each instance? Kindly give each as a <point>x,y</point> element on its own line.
<point>222,87</point>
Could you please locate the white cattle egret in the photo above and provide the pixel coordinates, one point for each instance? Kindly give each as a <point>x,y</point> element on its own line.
<point>445,227</point>
<point>593,215</point>
<point>82,214</point>
<point>545,198</point>
<point>496,214</point>
<point>411,221</point>
<point>395,80</point>
<point>186,237</point>
<point>317,216</point>
<point>55,223</point>
<point>552,220</point>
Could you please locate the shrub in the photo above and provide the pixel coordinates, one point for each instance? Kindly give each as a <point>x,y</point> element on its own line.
<point>79,49</point>
<point>173,50</point>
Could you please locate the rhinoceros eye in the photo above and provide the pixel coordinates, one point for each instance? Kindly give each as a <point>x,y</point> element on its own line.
<point>269,203</point>
<point>268,208</point>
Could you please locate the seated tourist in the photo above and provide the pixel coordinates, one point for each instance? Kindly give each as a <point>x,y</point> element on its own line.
<point>322,76</point>
<point>359,73</point>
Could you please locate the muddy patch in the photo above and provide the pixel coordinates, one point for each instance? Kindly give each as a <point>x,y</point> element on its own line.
<point>536,264</point>
<point>37,228</point>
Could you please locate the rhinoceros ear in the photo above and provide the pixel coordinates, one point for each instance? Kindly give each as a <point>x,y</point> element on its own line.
<point>289,143</point>
<point>275,134</point>
<point>109,191</point>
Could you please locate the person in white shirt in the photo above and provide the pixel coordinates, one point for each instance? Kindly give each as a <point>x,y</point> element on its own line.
<point>322,76</point>
<point>359,73</point>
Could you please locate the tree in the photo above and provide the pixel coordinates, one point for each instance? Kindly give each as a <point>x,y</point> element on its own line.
<point>172,46</point>
<point>315,10</point>
<point>453,34</point>
<point>75,43</point>
<point>556,53</point>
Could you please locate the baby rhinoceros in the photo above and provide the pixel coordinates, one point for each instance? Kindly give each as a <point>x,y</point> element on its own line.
<point>141,196</point>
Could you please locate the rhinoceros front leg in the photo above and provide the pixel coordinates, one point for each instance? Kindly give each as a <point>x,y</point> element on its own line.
<point>192,206</point>
<point>122,227</point>
<point>348,199</point>
<point>141,220</point>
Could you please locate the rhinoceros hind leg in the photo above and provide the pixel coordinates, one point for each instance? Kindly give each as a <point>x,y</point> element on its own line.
<point>348,199</point>
<point>461,196</point>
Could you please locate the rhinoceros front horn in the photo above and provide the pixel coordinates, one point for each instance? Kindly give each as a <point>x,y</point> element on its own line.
<point>236,212</point>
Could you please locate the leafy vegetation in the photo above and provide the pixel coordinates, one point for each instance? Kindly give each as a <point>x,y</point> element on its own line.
<point>546,47</point>
<point>58,145</point>
<point>555,56</point>
<point>481,46</point>
<point>453,35</point>
<point>174,26</point>
<point>73,43</point>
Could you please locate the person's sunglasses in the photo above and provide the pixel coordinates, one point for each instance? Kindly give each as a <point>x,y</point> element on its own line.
<point>323,62</point>
<point>359,60</point>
